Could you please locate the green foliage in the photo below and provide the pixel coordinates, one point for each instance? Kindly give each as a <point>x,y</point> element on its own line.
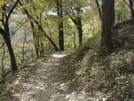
<point>86,67</point>
<point>122,11</point>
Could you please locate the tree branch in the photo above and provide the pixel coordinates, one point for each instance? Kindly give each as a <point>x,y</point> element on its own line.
<point>13,8</point>
<point>127,4</point>
<point>2,45</point>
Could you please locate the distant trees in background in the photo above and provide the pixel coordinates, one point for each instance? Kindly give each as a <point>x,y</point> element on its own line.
<point>130,4</point>
<point>74,11</point>
<point>43,26</point>
<point>35,16</point>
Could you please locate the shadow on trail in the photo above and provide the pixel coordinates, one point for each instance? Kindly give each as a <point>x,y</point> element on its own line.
<point>42,82</point>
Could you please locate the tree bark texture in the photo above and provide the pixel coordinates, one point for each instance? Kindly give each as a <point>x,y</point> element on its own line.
<point>6,37</point>
<point>108,20</point>
<point>80,31</point>
<point>131,8</point>
<point>60,28</point>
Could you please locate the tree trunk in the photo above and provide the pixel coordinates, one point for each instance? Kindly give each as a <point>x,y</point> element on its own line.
<point>108,20</point>
<point>78,23</point>
<point>5,33</point>
<point>23,48</point>
<point>51,41</point>
<point>80,31</point>
<point>6,37</point>
<point>61,37</point>
<point>131,8</point>
<point>60,28</point>
<point>74,42</point>
<point>12,56</point>
<point>42,49</point>
<point>2,63</point>
<point>35,39</point>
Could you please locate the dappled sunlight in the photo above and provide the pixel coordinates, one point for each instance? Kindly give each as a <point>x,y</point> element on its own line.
<point>42,83</point>
<point>59,55</point>
<point>62,54</point>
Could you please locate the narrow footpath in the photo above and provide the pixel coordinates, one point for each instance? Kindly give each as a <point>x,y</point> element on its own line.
<point>41,82</point>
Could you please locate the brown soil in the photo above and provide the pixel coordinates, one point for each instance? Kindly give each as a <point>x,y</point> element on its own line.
<point>41,82</point>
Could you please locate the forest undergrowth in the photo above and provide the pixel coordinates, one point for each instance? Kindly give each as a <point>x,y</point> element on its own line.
<point>91,70</point>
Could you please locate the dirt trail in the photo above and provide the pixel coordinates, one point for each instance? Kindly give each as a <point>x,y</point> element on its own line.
<point>41,83</point>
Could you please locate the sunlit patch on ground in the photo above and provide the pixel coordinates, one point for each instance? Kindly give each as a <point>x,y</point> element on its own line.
<point>62,54</point>
<point>44,84</point>
<point>59,55</point>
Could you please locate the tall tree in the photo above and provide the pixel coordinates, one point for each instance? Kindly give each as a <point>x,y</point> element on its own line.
<point>60,25</point>
<point>108,20</point>
<point>74,11</point>
<point>4,31</point>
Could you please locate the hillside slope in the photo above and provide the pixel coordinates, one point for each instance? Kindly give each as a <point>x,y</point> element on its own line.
<point>90,70</point>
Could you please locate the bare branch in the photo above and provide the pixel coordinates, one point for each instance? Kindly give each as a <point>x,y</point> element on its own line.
<point>127,4</point>
<point>2,45</point>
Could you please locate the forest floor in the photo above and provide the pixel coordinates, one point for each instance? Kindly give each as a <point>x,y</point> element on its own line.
<point>42,82</point>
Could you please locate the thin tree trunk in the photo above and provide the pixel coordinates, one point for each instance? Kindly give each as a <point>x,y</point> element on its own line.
<point>80,31</point>
<point>35,39</point>
<point>78,23</point>
<point>42,51</point>
<point>99,9</point>
<point>74,42</point>
<point>2,64</point>
<point>23,48</point>
<point>51,41</point>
